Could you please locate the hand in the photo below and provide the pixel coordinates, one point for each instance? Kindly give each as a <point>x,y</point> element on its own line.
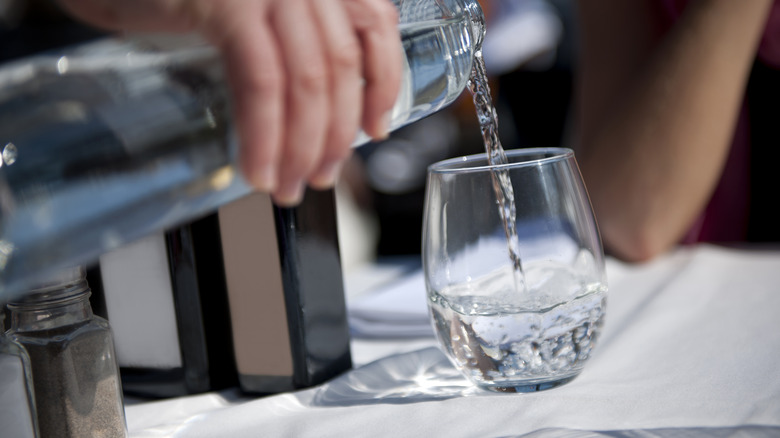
<point>305,75</point>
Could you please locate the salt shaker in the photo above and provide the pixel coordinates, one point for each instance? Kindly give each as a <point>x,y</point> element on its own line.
<point>78,392</point>
<point>17,405</point>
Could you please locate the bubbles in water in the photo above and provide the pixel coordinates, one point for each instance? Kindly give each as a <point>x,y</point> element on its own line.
<point>519,346</point>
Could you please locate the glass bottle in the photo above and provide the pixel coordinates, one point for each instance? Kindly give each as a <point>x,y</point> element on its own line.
<point>119,138</point>
<point>17,405</point>
<point>75,375</point>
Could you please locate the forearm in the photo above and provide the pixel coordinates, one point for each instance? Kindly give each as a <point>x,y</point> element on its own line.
<point>654,139</point>
<point>139,15</point>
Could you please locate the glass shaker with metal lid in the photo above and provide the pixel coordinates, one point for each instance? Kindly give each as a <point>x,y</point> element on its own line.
<point>17,405</point>
<point>75,375</point>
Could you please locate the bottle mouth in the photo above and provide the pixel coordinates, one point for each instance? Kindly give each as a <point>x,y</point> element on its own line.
<point>474,11</point>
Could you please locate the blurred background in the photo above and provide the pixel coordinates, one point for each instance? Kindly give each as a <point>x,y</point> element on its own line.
<point>529,51</point>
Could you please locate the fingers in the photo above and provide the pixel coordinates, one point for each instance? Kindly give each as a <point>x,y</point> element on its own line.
<point>343,54</point>
<point>305,75</point>
<point>255,73</point>
<point>307,97</point>
<point>377,23</point>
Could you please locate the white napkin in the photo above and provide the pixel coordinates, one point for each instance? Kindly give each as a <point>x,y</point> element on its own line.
<point>396,310</point>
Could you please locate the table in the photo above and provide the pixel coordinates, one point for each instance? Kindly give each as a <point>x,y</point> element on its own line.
<point>691,347</point>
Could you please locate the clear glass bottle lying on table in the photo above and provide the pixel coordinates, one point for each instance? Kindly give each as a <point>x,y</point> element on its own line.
<point>110,141</point>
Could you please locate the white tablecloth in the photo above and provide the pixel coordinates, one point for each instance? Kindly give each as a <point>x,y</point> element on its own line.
<point>691,348</point>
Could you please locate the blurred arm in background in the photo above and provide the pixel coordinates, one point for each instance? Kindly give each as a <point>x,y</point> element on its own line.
<point>657,111</point>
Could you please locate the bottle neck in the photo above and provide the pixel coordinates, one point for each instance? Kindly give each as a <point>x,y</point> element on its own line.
<point>61,308</point>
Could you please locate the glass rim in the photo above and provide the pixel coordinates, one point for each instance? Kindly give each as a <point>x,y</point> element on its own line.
<point>459,164</point>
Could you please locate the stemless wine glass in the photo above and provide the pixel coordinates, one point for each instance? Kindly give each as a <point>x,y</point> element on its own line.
<point>513,324</point>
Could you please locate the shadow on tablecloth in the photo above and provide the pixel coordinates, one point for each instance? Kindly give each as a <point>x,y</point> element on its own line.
<point>418,376</point>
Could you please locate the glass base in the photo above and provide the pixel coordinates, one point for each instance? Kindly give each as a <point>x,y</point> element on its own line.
<point>535,386</point>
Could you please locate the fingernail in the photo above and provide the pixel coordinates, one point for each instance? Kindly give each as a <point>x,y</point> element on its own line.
<point>382,129</point>
<point>327,175</point>
<point>289,194</point>
<point>264,179</point>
